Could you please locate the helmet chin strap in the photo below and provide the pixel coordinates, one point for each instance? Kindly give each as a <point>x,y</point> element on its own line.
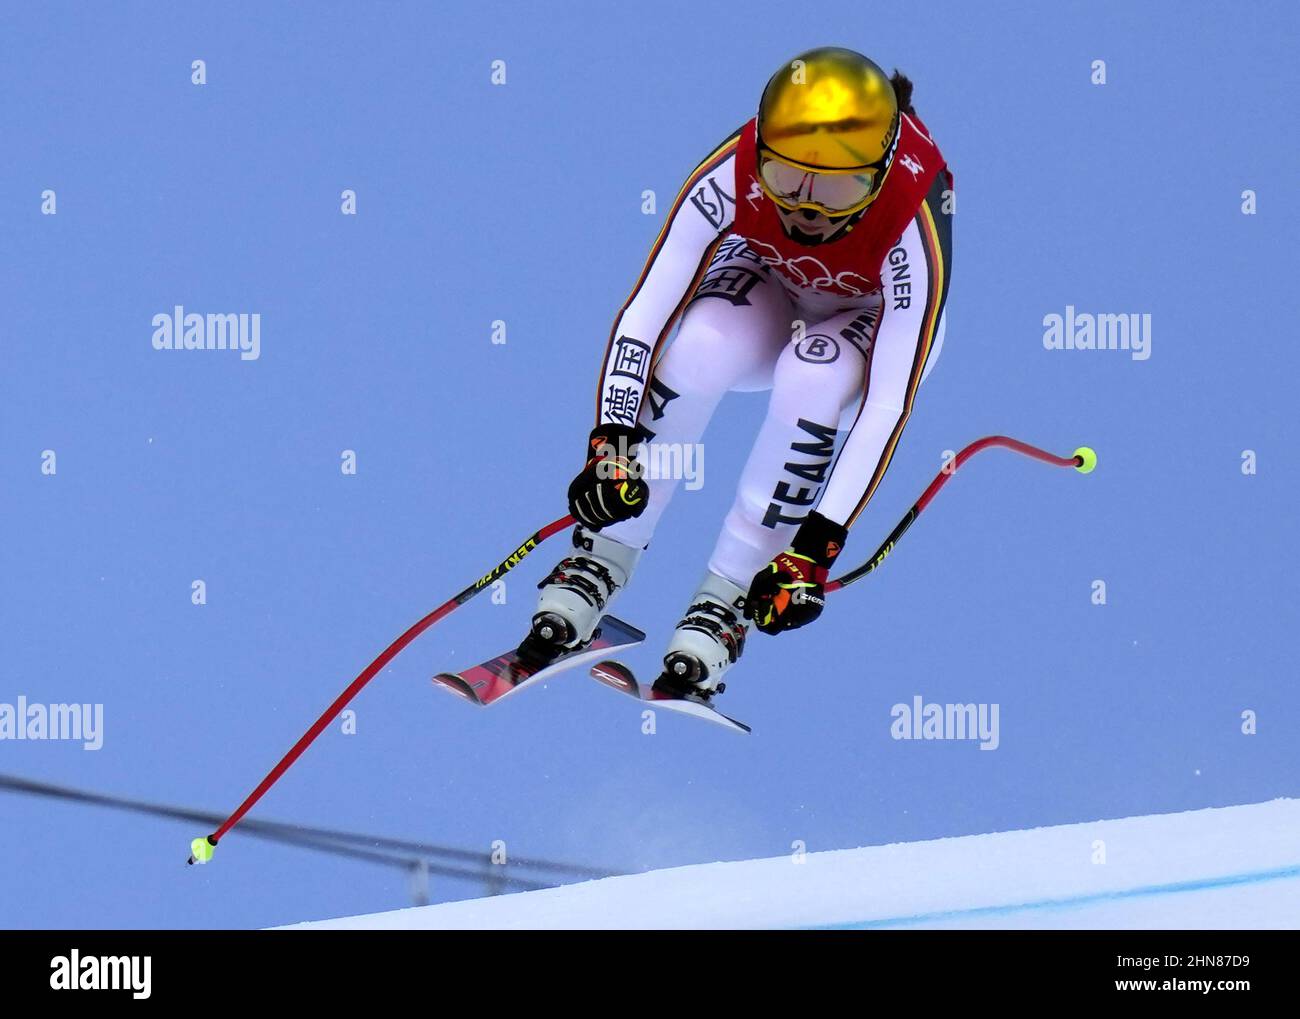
<point>790,223</point>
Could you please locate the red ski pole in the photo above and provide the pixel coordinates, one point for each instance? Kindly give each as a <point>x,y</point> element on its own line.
<point>201,848</point>
<point>1083,460</point>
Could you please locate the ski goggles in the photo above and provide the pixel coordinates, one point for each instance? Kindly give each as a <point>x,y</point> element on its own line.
<point>835,194</point>
<point>832,192</point>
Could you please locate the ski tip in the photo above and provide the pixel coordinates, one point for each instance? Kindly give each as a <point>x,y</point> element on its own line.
<point>455,684</point>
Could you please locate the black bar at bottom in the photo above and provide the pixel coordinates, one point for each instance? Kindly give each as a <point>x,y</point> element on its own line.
<point>213,970</point>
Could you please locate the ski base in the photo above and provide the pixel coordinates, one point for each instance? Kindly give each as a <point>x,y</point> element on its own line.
<point>500,676</point>
<point>618,676</point>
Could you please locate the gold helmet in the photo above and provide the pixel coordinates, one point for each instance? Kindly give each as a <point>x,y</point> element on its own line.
<point>827,127</point>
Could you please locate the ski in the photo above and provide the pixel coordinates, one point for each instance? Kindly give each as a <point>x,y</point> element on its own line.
<point>496,678</point>
<point>619,677</point>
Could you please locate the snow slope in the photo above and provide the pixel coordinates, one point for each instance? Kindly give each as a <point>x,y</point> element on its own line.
<point>1229,867</point>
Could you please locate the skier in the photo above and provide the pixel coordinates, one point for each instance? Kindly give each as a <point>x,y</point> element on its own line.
<point>811,253</point>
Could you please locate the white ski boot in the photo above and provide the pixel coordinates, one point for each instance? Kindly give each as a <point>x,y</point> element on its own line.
<point>708,641</point>
<point>578,591</point>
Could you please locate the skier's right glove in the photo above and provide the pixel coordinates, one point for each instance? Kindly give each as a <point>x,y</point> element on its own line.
<point>610,487</point>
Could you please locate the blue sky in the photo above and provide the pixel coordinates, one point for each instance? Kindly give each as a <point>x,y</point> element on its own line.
<point>522,203</point>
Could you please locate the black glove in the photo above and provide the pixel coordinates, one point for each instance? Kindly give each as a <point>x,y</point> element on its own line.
<point>610,487</point>
<point>790,591</point>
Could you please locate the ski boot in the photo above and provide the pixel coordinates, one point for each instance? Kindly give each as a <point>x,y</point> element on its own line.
<point>707,642</point>
<point>576,593</point>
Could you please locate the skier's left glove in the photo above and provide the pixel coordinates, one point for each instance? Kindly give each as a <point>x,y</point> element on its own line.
<point>790,591</point>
